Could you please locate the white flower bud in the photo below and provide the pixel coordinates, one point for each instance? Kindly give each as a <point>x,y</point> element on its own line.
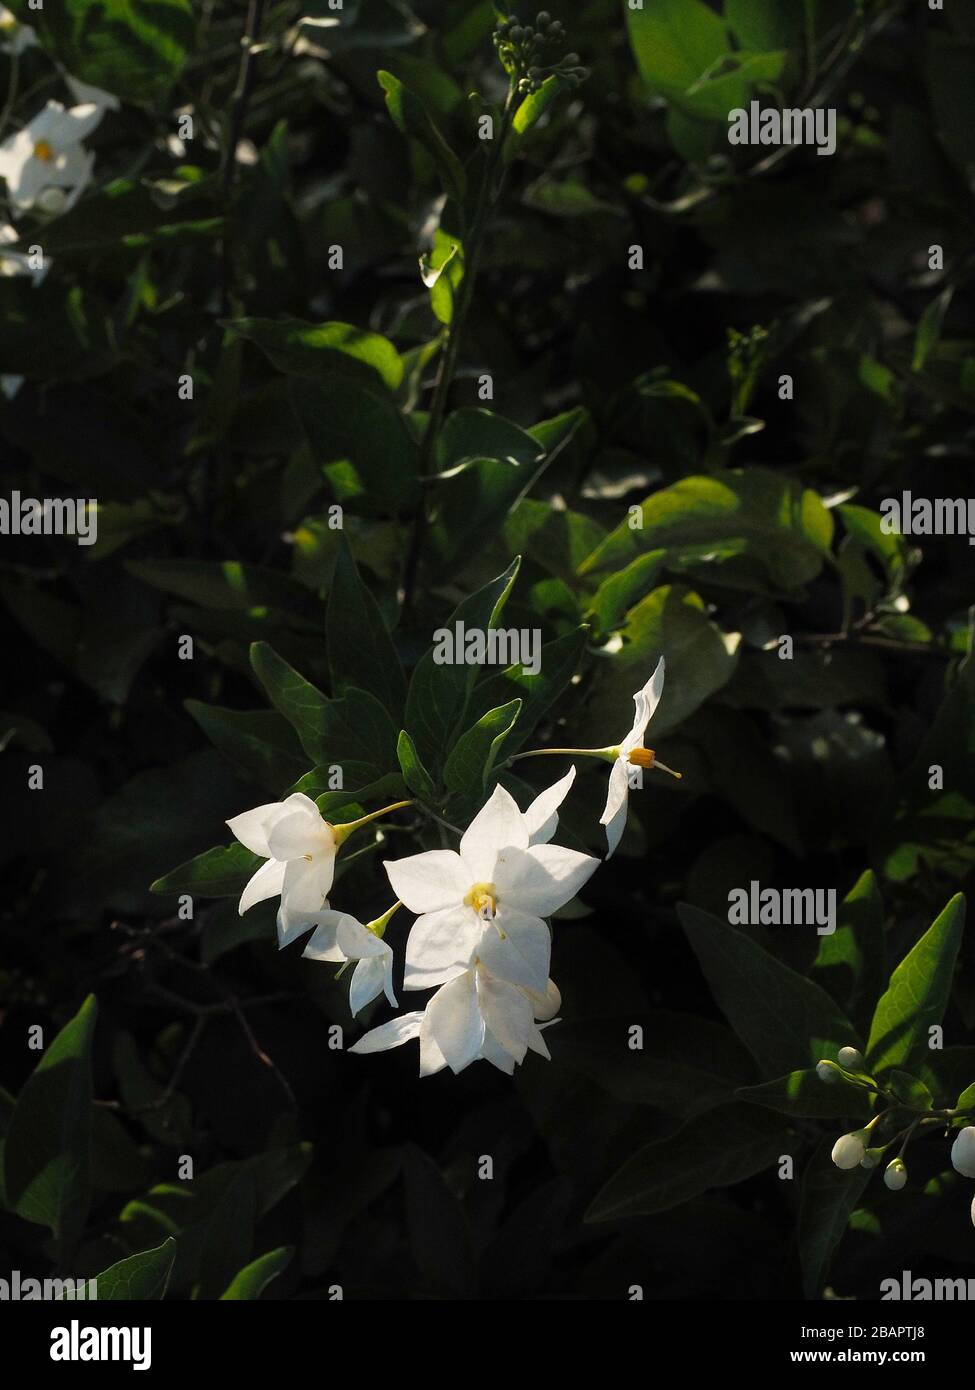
<point>826,1072</point>
<point>895,1175</point>
<point>973,1211</point>
<point>871,1158</point>
<point>963,1152</point>
<point>849,1150</point>
<point>851,1058</point>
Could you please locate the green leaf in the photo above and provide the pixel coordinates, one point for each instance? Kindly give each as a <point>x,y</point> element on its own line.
<point>259,742</point>
<point>141,1277</point>
<point>910,1089</point>
<point>765,518</point>
<point>415,774</point>
<point>853,956</point>
<point>929,328</point>
<point>674,42</point>
<point>221,872</point>
<point>533,108</point>
<point>761,25</point>
<point>360,651</point>
<point>413,119</point>
<point>47,1154</point>
<point>828,1198</point>
<point>319,349</point>
<point>620,591</point>
<point>918,993</point>
<point>442,270</point>
<point>472,758</point>
<point>718,1149</point>
<point>254,1278</point>
<point>229,586</point>
<point>439,694</point>
<point>358,437</point>
<point>134,50</point>
<point>802,1093</point>
<point>787,1022</point>
<point>558,662</point>
<point>685,1066</point>
<point>354,728</point>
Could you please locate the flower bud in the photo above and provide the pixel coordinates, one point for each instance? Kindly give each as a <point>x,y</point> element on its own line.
<point>543,19</point>
<point>516,33</point>
<point>871,1158</point>
<point>973,1211</point>
<point>895,1175</point>
<point>570,60</point>
<point>851,1058</point>
<point>826,1071</point>
<point>849,1150</point>
<point>963,1152</point>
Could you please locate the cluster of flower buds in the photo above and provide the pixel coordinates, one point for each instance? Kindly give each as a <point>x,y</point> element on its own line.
<point>860,1149</point>
<point>526,52</point>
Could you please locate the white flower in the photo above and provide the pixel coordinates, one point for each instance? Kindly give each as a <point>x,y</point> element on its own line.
<point>963,1152</point>
<point>341,937</point>
<point>300,847</point>
<point>631,752</point>
<point>485,904</point>
<point>849,1150</point>
<point>14,36</point>
<point>474,1017</point>
<point>85,92</point>
<point>17,262</point>
<point>47,156</point>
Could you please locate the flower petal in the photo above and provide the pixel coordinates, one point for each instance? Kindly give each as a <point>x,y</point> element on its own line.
<point>250,828</point>
<point>541,879</point>
<point>430,881</point>
<point>646,702</point>
<point>542,816</point>
<point>440,946</point>
<point>293,836</point>
<point>356,941</point>
<point>368,981</point>
<point>455,1023</point>
<point>507,1013</point>
<point>497,825</point>
<point>392,1034</point>
<point>522,955</point>
<point>614,814</point>
<point>266,883</point>
<point>306,887</point>
<point>322,944</point>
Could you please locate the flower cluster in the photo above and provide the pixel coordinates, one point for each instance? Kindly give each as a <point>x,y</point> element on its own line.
<point>525,51</point>
<point>480,939</point>
<point>893,1127</point>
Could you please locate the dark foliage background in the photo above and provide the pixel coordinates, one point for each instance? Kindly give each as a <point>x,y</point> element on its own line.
<point>214,523</point>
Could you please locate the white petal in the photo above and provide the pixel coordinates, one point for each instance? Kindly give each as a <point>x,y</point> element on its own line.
<point>546,1004</point>
<point>455,1022</point>
<point>266,883</point>
<point>322,945</point>
<point>538,1044</point>
<point>85,92</point>
<point>646,702</point>
<point>431,1058</point>
<point>498,824</point>
<point>614,814</point>
<point>392,1034</point>
<point>356,941</point>
<point>541,879</point>
<point>291,925</point>
<point>440,945</point>
<point>368,981</point>
<point>306,887</point>
<point>250,828</point>
<point>507,1013</point>
<point>293,836</point>
<point>70,127</point>
<point>430,881</point>
<point>522,955</point>
<point>493,1052</point>
<point>542,816</point>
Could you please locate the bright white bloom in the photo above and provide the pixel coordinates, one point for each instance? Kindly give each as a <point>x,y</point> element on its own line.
<point>18,262</point>
<point>341,937</point>
<point>631,752</point>
<point>85,92</point>
<point>14,36</point>
<point>300,847</point>
<point>963,1152</point>
<point>485,904</point>
<point>474,1017</point>
<point>849,1150</point>
<point>45,164</point>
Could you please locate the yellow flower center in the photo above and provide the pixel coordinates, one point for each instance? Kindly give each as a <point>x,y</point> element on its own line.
<point>43,151</point>
<point>641,757</point>
<point>483,898</point>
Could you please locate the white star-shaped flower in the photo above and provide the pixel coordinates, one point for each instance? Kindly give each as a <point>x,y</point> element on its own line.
<point>300,848</point>
<point>340,937</point>
<point>45,164</point>
<point>485,905</point>
<point>631,752</point>
<point>474,1017</point>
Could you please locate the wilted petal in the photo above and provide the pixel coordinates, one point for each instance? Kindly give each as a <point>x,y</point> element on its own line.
<point>498,824</point>
<point>440,946</point>
<point>268,882</point>
<point>430,881</point>
<point>542,816</point>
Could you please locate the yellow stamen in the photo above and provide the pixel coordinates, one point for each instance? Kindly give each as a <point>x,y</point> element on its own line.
<point>43,151</point>
<point>647,758</point>
<point>483,898</point>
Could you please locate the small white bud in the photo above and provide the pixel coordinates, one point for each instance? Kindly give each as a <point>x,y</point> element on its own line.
<point>895,1175</point>
<point>849,1150</point>
<point>871,1158</point>
<point>851,1058</point>
<point>963,1152</point>
<point>826,1072</point>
